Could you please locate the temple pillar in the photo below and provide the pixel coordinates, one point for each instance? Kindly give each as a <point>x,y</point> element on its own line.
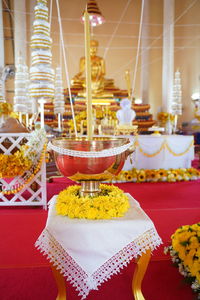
<point>168,55</point>
<point>144,74</point>
<point>2,58</point>
<point>20,28</point>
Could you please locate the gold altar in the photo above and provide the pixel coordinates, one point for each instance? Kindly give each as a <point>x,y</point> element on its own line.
<point>103,89</point>
<point>101,86</point>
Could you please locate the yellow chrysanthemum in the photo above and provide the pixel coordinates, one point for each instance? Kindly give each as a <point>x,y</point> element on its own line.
<point>110,203</point>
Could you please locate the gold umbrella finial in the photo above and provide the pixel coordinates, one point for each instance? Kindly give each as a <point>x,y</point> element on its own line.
<point>95,16</point>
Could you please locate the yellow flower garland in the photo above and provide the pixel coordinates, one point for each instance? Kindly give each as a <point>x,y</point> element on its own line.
<point>158,175</point>
<point>110,203</point>
<point>163,145</point>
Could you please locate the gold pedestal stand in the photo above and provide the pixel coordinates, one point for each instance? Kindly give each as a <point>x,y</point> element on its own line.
<point>139,272</point>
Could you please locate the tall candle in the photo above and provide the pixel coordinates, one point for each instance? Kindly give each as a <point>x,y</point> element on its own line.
<point>88,75</point>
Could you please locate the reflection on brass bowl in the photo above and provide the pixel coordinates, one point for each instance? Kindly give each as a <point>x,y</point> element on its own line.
<point>92,169</point>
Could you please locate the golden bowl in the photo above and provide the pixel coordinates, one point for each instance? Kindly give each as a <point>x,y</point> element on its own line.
<point>80,168</point>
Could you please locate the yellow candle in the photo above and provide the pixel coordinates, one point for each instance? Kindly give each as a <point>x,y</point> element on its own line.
<point>88,75</point>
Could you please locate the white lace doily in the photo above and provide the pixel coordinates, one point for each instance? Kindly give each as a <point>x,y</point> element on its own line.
<point>103,254</point>
<point>77,276</point>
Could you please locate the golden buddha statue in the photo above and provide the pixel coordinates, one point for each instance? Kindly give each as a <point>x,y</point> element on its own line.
<point>101,87</point>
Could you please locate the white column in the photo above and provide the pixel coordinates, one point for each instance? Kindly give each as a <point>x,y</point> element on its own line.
<point>2,59</point>
<point>168,55</point>
<point>144,86</point>
<point>20,28</point>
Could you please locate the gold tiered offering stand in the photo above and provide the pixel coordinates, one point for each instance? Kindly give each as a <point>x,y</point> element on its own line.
<point>101,107</point>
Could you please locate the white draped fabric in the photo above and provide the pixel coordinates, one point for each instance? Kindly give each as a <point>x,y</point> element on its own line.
<point>161,152</point>
<point>88,252</point>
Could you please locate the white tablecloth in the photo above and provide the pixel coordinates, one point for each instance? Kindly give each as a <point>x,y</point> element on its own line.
<point>161,152</point>
<point>88,252</point>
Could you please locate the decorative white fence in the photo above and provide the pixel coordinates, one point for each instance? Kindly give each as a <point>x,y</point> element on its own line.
<point>32,193</point>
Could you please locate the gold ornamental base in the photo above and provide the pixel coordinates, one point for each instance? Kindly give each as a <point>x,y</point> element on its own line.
<point>89,188</point>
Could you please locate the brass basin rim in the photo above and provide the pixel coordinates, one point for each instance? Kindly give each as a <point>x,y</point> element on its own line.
<point>85,139</point>
<point>102,153</point>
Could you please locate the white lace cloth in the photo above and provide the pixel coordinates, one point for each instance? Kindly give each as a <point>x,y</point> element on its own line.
<point>161,152</point>
<point>89,252</point>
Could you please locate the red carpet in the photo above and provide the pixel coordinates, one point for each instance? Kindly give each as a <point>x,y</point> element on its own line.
<point>24,272</point>
<point>37,283</point>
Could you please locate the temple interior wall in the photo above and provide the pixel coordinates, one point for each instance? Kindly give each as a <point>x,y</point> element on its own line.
<point>118,45</point>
